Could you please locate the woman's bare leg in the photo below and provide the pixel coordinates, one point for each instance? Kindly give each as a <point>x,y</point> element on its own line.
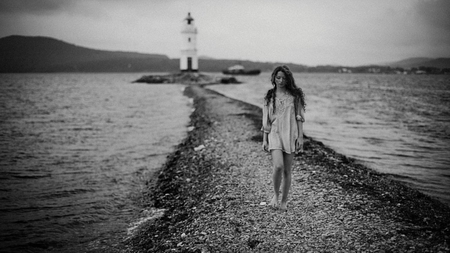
<point>278,168</point>
<point>287,175</point>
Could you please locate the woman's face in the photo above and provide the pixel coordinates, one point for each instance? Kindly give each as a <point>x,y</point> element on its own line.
<point>280,79</point>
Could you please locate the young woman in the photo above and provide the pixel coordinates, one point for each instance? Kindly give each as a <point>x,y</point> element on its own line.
<point>283,117</point>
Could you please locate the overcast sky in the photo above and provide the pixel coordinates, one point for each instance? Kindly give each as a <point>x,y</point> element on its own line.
<point>311,32</point>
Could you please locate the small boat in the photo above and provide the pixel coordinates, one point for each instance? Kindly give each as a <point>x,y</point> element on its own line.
<point>240,70</point>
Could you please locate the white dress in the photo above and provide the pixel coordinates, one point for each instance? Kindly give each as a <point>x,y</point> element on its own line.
<point>281,125</point>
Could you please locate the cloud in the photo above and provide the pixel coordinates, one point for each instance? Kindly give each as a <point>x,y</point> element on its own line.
<point>41,7</point>
<point>308,31</point>
<point>435,18</point>
<point>435,13</point>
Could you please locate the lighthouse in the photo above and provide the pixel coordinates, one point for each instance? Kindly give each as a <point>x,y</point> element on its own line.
<point>189,59</point>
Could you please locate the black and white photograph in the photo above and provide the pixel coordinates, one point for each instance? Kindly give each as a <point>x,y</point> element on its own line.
<point>208,126</point>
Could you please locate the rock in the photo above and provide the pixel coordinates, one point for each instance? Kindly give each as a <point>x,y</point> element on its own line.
<point>229,80</point>
<point>201,147</point>
<point>186,78</point>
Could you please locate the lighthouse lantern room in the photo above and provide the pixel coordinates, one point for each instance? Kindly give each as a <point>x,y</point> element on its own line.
<point>189,59</point>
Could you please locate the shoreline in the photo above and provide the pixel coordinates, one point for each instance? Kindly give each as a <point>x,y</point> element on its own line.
<point>214,197</point>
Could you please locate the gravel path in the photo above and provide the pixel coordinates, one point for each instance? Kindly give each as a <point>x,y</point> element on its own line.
<point>216,196</point>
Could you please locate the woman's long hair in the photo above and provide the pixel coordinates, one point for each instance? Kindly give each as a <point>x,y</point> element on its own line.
<point>291,87</point>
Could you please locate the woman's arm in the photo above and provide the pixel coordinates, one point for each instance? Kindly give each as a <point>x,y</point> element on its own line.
<point>266,127</point>
<point>265,141</point>
<point>300,119</point>
<point>300,123</point>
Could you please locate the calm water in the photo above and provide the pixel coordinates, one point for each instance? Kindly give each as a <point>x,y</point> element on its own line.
<point>75,151</point>
<point>395,124</point>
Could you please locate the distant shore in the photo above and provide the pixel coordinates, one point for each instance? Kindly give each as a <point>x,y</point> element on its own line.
<point>215,188</point>
<point>31,54</point>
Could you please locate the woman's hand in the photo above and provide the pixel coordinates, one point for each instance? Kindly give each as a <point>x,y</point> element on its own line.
<point>299,145</point>
<point>265,146</point>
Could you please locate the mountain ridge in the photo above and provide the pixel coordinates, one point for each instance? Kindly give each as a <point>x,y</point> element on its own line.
<point>45,54</point>
<point>417,62</point>
<point>21,54</point>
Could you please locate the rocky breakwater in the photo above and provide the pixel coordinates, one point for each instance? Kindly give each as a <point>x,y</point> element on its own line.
<point>215,187</point>
<point>188,78</point>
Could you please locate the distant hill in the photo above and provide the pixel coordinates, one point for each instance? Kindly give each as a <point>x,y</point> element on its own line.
<point>421,62</point>
<point>43,54</point>
<point>20,54</point>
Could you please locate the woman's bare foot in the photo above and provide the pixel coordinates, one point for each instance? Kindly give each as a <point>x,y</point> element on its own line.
<point>283,206</point>
<point>274,201</point>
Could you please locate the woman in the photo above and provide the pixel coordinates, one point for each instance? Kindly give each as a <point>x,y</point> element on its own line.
<point>283,117</point>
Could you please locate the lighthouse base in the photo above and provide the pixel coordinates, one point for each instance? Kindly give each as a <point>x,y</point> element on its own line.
<point>186,77</point>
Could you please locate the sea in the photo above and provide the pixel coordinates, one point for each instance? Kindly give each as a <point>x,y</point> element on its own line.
<point>75,153</point>
<point>77,149</point>
<point>395,124</point>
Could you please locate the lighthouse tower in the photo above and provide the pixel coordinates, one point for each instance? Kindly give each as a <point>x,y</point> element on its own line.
<point>189,59</point>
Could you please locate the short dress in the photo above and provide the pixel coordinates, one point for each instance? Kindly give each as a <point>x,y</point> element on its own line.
<point>280,125</point>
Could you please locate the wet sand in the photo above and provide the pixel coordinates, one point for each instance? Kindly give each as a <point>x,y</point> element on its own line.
<point>216,196</point>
